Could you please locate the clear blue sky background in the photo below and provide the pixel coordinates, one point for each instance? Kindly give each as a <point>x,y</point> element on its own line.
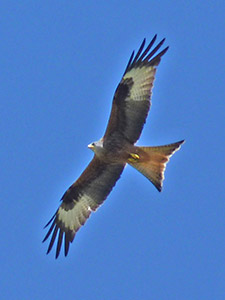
<point>60,62</point>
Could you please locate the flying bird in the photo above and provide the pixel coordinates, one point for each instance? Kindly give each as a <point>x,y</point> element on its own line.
<point>130,107</point>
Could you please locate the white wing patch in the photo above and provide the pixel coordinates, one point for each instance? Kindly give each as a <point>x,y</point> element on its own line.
<point>143,78</point>
<point>75,217</point>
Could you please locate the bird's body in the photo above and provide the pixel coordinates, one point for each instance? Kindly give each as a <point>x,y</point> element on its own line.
<point>115,149</point>
<point>119,155</point>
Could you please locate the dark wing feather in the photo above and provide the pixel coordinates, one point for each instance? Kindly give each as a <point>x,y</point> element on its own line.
<point>83,197</point>
<point>131,101</point>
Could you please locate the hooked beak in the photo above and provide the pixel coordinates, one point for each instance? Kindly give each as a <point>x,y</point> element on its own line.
<point>90,146</point>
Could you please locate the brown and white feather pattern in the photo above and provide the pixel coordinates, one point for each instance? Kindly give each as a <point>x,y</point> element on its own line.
<point>142,77</point>
<point>82,198</point>
<point>137,104</point>
<point>132,99</point>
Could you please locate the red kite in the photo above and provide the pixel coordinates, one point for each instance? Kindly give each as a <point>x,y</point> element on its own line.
<point>130,107</point>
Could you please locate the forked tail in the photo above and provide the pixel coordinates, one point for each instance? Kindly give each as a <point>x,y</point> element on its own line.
<point>151,161</point>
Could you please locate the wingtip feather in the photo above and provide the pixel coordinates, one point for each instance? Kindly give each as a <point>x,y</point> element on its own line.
<point>59,244</point>
<point>145,56</point>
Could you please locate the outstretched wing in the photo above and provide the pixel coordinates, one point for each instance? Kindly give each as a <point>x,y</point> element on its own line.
<point>131,101</point>
<point>83,197</point>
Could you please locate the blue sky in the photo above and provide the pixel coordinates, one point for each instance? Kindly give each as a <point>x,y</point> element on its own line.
<point>60,62</point>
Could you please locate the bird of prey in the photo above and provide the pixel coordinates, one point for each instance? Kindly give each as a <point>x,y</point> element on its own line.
<point>130,107</point>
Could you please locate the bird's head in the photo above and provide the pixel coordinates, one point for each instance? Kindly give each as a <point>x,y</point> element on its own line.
<point>96,147</point>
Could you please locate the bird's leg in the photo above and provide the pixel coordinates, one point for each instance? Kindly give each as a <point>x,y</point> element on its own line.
<point>133,157</point>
